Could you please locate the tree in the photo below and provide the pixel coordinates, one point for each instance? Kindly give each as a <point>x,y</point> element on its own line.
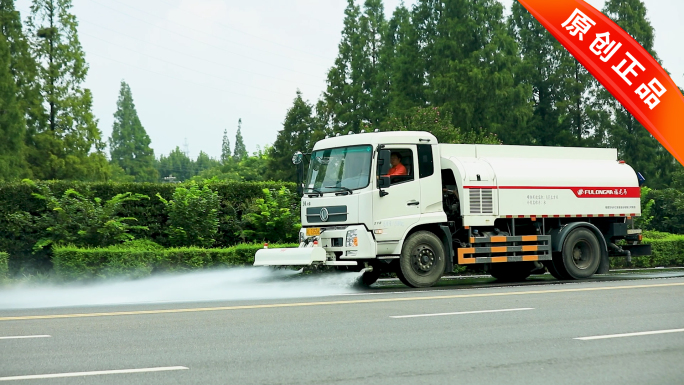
<point>177,164</point>
<point>70,145</point>
<point>129,144</point>
<point>634,143</point>
<point>24,69</point>
<point>472,64</point>
<point>377,58</point>
<point>225,148</point>
<point>408,64</point>
<point>12,123</point>
<point>438,122</point>
<point>344,96</point>
<point>562,109</point>
<point>204,162</point>
<point>240,149</point>
<point>299,133</point>
<point>250,169</point>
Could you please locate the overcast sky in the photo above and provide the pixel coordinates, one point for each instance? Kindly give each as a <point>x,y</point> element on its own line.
<point>197,66</point>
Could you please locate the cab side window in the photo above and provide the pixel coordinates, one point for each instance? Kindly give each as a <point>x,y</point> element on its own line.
<point>402,168</point>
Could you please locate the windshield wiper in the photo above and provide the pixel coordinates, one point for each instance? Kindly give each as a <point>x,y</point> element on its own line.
<point>318,192</point>
<point>342,188</point>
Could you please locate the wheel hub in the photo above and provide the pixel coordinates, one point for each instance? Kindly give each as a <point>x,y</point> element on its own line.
<point>423,259</point>
<point>581,254</point>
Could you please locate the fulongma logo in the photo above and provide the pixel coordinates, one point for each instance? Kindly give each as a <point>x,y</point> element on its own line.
<point>599,192</point>
<point>620,192</point>
<point>324,214</point>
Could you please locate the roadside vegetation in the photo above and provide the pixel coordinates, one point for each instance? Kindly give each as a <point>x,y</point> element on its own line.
<point>70,208</point>
<point>68,228</point>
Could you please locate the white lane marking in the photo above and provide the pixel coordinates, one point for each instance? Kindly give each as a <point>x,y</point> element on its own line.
<point>97,373</point>
<point>22,337</point>
<point>461,312</point>
<point>629,334</point>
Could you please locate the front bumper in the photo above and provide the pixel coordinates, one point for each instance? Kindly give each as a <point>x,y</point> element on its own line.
<point>329,248</point>
<point>334,240</point>
<point>302,256</point>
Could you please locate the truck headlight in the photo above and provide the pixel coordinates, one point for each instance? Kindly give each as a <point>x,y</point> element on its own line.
<point>302,237</point>
<point>352,239</point>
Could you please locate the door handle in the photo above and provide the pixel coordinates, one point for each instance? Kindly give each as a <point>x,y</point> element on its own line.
<point>412,203</point>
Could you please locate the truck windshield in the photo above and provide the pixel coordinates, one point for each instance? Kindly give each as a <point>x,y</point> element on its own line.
<point>340,168</point>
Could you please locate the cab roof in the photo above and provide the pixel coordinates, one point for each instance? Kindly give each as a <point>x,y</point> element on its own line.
<point>375,138</point>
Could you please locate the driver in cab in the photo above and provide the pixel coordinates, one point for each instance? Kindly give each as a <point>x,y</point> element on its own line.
<point>397,167</point>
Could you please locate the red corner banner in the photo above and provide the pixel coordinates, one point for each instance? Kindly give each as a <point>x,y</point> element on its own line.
<point>620,64</point>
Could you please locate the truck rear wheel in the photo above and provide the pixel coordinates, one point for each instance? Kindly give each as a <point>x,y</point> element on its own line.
<point>422,260</point>
<point>581,255</point>
<point>555,272</point>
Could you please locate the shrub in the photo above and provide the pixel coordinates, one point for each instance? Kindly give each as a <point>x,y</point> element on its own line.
<point>193,216</point>
<point>644,221</point>
<point>72,263</point>
<point>4,266</point>
<point>141,244</point>
<point>271,218</point>
<point>666,213</point>
<point>82,221</point>
<point>668,251</point>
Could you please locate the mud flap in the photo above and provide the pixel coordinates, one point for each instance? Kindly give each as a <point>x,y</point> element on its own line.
<point>604,267</point>
<point>303,256</point>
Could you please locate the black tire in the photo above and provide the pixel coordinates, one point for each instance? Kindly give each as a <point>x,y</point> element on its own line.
<point>511,271</point>
<point>581,255</point>
<point>552,268</point>
<point>396,267</point>
<point>422,260</point>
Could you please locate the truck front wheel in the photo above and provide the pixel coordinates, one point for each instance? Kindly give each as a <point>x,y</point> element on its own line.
<point>422,260</point>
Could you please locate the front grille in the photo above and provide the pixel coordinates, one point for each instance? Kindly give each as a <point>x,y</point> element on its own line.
<point>335,214</point>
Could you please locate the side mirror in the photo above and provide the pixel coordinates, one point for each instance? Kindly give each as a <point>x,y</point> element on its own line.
<point>383,182</point>
<point>297,158</point>
<point>384,164</point>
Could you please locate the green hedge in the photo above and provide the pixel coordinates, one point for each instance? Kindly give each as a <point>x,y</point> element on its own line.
<point>4,266</point>
<point>668,251</point>
<point>71,263</point>
<point>18,233</point>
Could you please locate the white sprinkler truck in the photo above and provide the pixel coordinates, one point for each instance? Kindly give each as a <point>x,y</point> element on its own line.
<point>516,209</point>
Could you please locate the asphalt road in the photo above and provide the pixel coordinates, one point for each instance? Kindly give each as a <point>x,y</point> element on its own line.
<point>459,333</point>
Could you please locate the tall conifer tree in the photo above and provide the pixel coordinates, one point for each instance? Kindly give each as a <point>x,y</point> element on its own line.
<point>378,54</point>
<point>407,75</point>
<point>24,69</point>
<point>225,148</point>
<point>12,123</point>
<point>69,146</point>
<point>129,144</point>
<point>562,105</point>
<point>240,149</point>
<point>472,65</point>
<point>344,96</point>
